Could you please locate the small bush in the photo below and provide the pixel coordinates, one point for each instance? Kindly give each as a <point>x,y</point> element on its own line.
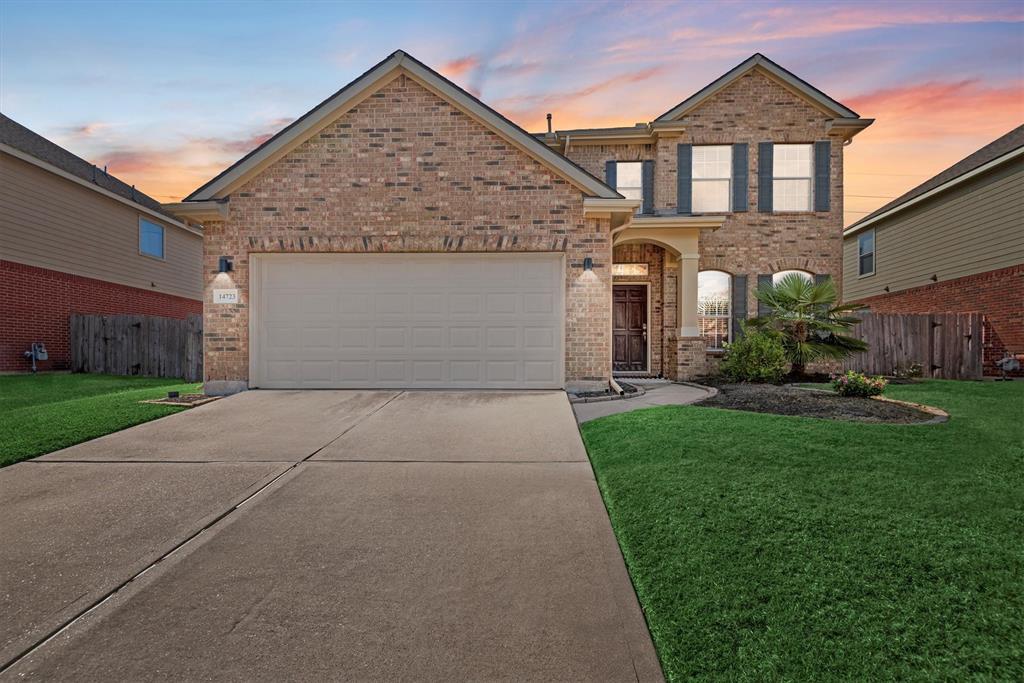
<point>858,384</point>
<point>910,371</point>
<point>755,357</point>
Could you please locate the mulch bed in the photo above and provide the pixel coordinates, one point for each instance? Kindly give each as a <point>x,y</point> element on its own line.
<point>190,400</point>
<point>605,393</point>
<point>782,400</point>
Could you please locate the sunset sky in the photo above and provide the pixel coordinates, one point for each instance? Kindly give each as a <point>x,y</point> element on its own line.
<point>167,94</point>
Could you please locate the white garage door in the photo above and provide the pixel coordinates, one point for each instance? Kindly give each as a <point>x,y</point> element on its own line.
<point>407,320</point>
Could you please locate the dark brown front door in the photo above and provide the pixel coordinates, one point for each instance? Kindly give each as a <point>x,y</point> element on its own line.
<point>629,328</point>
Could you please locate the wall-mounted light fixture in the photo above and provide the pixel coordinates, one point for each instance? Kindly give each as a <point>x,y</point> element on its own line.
<point>225,265</point>
<point>588,264</point>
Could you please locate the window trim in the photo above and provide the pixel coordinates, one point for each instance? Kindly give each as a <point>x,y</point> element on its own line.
<point>874,253</point>
<point>809,178</point>
<point>776,274</point>
<point>727,317</point>
<point>163,240</point>
<point>694,180</point>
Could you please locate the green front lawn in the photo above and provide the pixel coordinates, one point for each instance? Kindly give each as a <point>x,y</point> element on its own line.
<point>780,548</point>
<point>46,412</point>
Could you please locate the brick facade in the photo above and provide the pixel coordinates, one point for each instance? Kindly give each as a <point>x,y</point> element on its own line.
<point>752,109</point>
<point>407,171</point>
<point>38,303</point>
<point>997,294</point>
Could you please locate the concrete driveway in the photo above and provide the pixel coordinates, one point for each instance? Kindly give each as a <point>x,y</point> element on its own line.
<point>321,535</point>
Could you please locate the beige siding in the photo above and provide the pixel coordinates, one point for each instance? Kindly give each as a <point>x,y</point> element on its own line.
<point>51,222</point>
<point>973,228</point>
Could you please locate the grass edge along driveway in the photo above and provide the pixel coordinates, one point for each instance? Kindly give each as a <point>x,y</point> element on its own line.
<point>771,547</point>
<point>46,412</point>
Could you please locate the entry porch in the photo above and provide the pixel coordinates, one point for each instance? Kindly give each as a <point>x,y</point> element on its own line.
<point>660,327</point>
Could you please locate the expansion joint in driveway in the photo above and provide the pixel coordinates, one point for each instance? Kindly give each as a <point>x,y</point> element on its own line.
<point>178,546</point>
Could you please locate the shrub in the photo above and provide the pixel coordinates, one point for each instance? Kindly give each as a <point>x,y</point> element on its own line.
<point>858,384</point>
<point>755,357</point>
<point>911,371</point>
<point>808,319</point>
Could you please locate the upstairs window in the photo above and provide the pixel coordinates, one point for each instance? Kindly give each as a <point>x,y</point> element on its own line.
<point>866,253</point>
<point>793,173</point>
<point>711,178</point>
<point>151,238</point>
<point>629,180</point>
<point>714,307</point>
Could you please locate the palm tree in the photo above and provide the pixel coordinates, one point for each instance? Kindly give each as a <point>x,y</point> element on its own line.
<point>807,320</point>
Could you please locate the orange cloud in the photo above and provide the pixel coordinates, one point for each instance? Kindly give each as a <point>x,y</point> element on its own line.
<point>171,172</point>
<point>530,109</point>
<point>937,108</point>
<point>457,67</point>
<point>920,130</point>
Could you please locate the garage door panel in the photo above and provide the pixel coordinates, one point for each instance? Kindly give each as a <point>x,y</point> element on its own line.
<point>464,338</point>
<point>465,304</point>
<point>405,320</point>
<point>539,371</point>
<point>354,338</point>
<point>539,338</point>
<point>428,338</point>
<point>354,303</point>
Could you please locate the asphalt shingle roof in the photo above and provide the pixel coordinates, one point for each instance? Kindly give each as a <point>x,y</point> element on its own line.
<point>24,140</point>
<point>993,150</point>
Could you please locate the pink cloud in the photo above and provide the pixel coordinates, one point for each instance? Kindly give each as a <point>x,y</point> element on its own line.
<point>941,108</point>
<point>460,66</point>
<point>532,107</point>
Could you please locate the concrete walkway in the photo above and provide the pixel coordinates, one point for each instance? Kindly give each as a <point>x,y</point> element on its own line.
<point>321,535</point>
<point>660,395</point>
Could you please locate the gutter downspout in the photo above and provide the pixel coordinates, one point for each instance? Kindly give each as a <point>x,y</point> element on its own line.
<point>615,387</point>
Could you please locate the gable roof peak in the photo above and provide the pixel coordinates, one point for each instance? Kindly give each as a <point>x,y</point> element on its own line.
<point>350,95</point>
<point>788,78</point>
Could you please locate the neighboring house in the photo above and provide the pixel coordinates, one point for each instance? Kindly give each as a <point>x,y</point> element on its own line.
<point>955,243</point>
<point>404,234</point>
<point>74,239</point>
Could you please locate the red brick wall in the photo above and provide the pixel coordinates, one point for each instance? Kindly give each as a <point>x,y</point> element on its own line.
<point>997,294</point>
<point>37,303</point>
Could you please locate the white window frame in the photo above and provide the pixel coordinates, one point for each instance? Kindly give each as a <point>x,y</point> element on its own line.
<point>639,188</point>
<point>695,180</point>
<point>727,316</point>
<point>873,252</point>
<point>809,178</point>
<point>163,240</point>
<point>778,277</point>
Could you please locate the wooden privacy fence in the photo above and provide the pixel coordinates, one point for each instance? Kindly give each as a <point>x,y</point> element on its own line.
<point>138,345</point>
<point>946,345</point>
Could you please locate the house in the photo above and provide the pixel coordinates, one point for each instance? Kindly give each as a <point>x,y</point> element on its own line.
<point>954,243</point>
<point>404,234</point>
<point>74,239</point>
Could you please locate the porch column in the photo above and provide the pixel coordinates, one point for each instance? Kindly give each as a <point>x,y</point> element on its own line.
<point>686,298</point>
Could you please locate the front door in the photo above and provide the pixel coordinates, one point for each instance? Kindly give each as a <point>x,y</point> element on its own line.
<point>629,328</point>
